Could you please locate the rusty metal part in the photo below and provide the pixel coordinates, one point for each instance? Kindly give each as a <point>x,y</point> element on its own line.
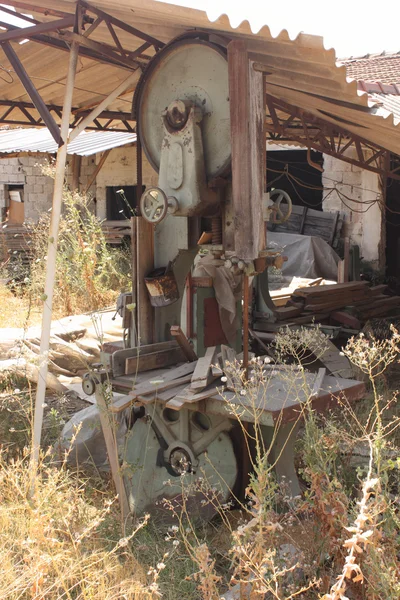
<point>216,229</point>
<point>177,114</point>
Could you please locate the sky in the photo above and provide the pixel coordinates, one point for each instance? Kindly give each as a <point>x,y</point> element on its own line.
<point>352,27</point>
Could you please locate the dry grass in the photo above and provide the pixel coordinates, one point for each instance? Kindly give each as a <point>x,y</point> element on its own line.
<point>15,310</point>
<point>54,544</point>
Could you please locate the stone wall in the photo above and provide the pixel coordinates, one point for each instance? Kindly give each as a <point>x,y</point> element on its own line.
<point>38,188</point>
<point>364,223</point>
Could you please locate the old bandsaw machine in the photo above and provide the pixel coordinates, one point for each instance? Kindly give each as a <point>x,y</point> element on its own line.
<point>207,220</point>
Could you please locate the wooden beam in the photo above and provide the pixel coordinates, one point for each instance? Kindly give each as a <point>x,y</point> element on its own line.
<point>108,427</point>
<point>247,113</point>
<point>97,170</point>
<point>154,360</point>
<point>134,324</point>
<point>145,264</point>
<point>76,171</point>
<point>182,340</point>
<point>133,78</point>
<point>51,262</point>
<point>33,93</point>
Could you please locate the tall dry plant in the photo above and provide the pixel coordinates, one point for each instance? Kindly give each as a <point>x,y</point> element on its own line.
<point>89,273</point>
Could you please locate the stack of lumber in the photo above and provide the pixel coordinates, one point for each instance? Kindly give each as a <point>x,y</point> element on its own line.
<point>193,385</point>
<point>328,302</point>
<point>307,221</point>
<point>14,239</point>
<point>368,301</point>
<point>282,296</point>
<point>115,231</point>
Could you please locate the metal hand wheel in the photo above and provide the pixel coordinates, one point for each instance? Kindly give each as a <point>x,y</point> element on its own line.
<point>279,215</point>
<point>154,205</point>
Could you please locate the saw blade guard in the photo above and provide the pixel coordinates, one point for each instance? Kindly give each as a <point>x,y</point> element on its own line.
<point>183,117</point>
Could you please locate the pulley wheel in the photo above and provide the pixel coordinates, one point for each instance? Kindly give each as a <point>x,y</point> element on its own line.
<point>185,455</point>
<point>154,205</point>
<point>282,207</point>
<point>194,72</point>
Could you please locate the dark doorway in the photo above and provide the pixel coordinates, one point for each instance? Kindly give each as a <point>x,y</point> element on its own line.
<point>122,202</point>
<point>393,228</point>
<point>289,170</point>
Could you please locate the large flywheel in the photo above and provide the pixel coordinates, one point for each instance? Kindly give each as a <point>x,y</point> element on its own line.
<point>194,72</point>
<point>179,456</point>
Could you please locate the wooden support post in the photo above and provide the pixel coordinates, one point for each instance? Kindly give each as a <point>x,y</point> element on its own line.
<point>97,170</point>
<point>130,81</point>
<point>51,259</point>
<point>346,259</point>
<point>247,110</point>
<point>76,171</point>
<point>145,264</point>
<point>134,322</point>
<point>106,419</point>
<point>246,323</point>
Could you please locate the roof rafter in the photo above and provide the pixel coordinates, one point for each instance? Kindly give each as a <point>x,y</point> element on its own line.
<point>115,120</point>
<point>286,122</point>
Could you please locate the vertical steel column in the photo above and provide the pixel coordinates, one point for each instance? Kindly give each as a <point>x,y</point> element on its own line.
<point>51,256</point>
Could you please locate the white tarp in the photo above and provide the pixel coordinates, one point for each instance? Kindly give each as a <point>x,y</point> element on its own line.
<point>308,256</point>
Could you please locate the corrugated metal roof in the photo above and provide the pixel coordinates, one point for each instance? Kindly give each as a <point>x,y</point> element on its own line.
<point>389,105</point>
<point>301,72</point>
<point>40,140</point>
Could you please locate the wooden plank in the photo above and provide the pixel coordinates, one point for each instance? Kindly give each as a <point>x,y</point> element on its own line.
<point>287,312</point>
<point>308,292</point>
<point>188,397</point>
<point>184,343</point>
<point>145,264</point>
<point>76,171</point>
<point>216,368</point>
<point>336,363</point>
<point>318,382</point>
<point>202,375</point>
<point>96,171</point>
<point>119,357</point>
<point>107,423</point>
<point>163,396</point>
<point>155,360</point>
<point>346,259</point>
<point>169,378</point>
<point>346,319</point>
<point>134,323</point>
<point>247,112</point>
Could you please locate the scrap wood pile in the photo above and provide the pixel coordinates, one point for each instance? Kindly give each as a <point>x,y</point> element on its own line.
<point>216,377</point>
<point>116,231</point>
<point>350,304</point>
<point>14,239</point>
